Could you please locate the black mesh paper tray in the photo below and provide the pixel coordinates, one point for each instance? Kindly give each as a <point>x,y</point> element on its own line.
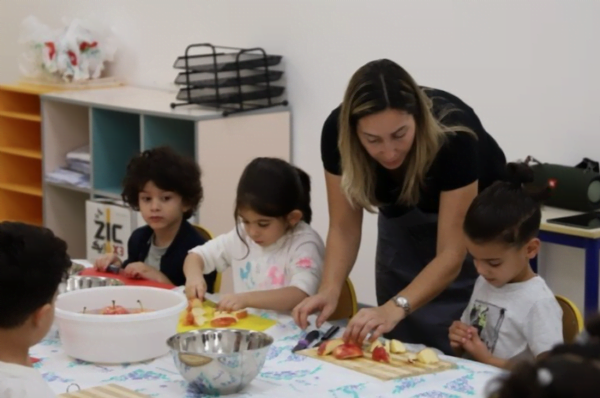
<point>225,62</point>
<point>228,95</point>
<point>228,79</point>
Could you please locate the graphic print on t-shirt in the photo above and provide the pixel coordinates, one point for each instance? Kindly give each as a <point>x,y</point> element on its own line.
<point>487,319</point>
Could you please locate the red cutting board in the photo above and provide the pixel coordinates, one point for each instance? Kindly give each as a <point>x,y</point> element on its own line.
<point>127,281</point>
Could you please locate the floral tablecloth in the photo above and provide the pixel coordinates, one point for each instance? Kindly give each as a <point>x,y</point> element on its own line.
<point>283,375</point>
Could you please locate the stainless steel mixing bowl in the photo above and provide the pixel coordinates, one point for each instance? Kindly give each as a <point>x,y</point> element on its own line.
<point>78,282</point>
<point>219,361</point>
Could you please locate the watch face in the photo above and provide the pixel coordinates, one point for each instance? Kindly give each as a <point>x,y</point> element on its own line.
<point>403,303</point>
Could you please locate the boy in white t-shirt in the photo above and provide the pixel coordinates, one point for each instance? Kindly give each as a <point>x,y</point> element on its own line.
<point>512,314</point>
<point>32,264</point>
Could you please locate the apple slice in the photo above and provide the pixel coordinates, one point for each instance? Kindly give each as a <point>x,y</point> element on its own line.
<point>411,357</point>
<point>396,347</point>
<point>427,356</point>
<point>223,320</point>
<point>189,319</point>
<point>380,355</point>
<point>347,351</point>
<point>197,311</point>
<point>374,345</point>
<point>328,346</point>
<point>195,303</point>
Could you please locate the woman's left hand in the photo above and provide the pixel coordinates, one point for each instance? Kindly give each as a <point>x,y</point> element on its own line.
<point>377,320</point>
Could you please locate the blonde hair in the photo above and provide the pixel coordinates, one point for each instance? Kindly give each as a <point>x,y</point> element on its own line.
<point>375,87</point>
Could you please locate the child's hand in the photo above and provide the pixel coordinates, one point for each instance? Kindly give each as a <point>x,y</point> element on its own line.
<point>459,334</point>
<point>195,287</point>
<point>477,348</point>
<point>140,270</point>
<point>102,263</point>
<point>232,302</point>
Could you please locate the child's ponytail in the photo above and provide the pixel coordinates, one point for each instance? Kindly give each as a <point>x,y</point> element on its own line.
<point>305,202</point>
<point>519,176</point>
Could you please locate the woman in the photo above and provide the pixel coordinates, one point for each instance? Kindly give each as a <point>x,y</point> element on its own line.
<point>420,156</point>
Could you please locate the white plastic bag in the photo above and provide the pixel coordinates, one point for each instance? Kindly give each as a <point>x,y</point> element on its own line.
<point>78,52</point>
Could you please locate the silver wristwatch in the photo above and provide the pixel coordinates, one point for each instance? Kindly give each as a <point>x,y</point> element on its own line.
<point>403,303</point>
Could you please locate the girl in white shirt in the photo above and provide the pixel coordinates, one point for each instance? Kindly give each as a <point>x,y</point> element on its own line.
<point>276,256</point>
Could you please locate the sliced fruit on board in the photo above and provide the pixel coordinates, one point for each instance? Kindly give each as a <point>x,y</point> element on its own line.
<point>196,303</point>
<point>411,357</point>
<point>328,346</point>
<point>374,345</point>
<point>189,319</point>
<point>198,311</point>
<point>347,351</point>
<point>241,314</point>
<point>427,356</point>
<point>223,321</point>
<point>380,355</point>
<point>396,347</point>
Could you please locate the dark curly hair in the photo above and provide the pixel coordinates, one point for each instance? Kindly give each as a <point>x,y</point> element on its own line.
<point>169,171</point>
<point>33,262</point>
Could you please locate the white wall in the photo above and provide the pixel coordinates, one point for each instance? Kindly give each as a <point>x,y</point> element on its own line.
<point>529,68</point>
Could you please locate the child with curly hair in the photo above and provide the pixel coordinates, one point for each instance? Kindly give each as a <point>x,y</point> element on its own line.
<point>165,188</point>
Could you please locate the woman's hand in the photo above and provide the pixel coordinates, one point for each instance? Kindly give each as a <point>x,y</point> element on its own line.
<point>377,320</point>
<point>102,262</point>
<point>322,302</point>
<point>195,287</point>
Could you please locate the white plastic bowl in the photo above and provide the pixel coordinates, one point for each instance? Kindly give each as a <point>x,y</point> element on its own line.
<point>115,339</point>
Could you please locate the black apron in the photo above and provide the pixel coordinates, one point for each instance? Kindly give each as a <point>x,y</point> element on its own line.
<point>405,246</point>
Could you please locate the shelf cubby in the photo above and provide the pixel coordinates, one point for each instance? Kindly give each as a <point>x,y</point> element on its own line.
<point>19,105</point>
<point>66,127</point>
<point>20,137</point>
<point>20,174</point>
<point>64,213</point>
<point>21,151</point>
<point>115,140</point>
<point>20,207</point>
<point>176,133</point>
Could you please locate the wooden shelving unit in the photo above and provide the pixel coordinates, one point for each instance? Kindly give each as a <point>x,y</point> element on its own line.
<point>120,122</point>
<point>21,153</point>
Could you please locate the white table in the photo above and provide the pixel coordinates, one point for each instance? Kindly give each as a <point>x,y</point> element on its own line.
<point>284,375</point>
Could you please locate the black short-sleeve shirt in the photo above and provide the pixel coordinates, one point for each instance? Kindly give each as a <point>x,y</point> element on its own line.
<point>462,159</point>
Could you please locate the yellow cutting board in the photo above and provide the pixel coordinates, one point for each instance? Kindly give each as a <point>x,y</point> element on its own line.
<point>107,391</point>
<point>251,322</point>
